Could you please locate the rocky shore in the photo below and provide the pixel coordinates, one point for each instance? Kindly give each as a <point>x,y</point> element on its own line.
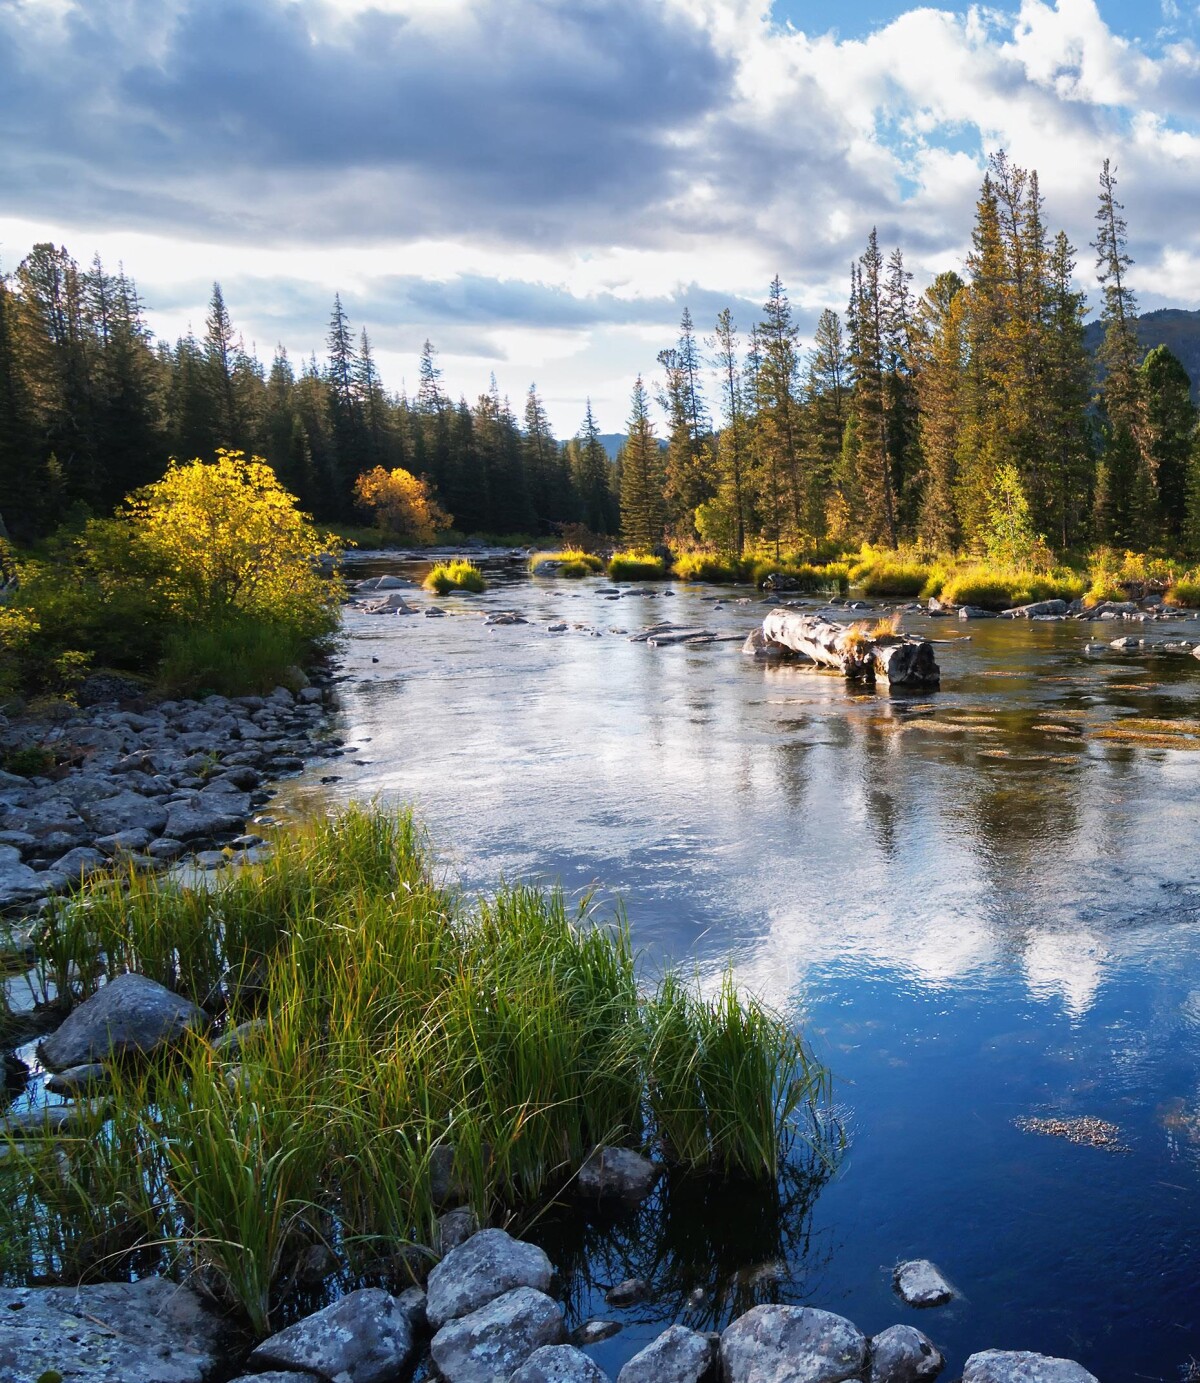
<point>148,783</point>
<point>487,1314</point>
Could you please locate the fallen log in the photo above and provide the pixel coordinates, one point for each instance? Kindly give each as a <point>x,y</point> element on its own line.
<point>855,651</point>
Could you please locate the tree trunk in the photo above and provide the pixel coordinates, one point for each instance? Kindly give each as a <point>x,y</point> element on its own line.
<point>899,659</point>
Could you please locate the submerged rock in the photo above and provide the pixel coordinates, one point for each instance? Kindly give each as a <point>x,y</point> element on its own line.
<point>559,1364</point>
<point>1018,1366</point>
<point>679,1355</point>
<point>617,1172</point>
<point>131,1014</point>
<point>919,1283</point>
<point>903,1354</point>
<point>487,1345</point>
<point>152,1331</point>
<point>976,612</point>
<point>487,1265</point>
<point>366,1337</point>
<point>792,1344</point>
<point>455,1227</point>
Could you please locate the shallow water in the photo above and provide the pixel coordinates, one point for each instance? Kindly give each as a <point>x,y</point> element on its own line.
<point>979,905</point>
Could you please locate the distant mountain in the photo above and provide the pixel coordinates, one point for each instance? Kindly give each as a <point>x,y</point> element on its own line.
<point>612,442</point>
<point>1173,327</point>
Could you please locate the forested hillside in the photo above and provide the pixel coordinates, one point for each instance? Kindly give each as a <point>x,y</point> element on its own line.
<point>910,419</point>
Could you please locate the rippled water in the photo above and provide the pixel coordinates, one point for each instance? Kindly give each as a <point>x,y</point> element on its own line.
<point>980,904</point>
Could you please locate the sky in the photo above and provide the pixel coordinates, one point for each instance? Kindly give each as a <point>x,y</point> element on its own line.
<point>539,187</point>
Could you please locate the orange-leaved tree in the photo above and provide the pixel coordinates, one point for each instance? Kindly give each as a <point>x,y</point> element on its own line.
<point>401,504</point>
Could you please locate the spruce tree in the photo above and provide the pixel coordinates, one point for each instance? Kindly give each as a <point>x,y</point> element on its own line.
<point>643,511</point>
<point>593,477</point>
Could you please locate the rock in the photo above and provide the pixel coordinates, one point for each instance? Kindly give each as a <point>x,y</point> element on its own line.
<point>618,1172</point>
<point>79,864</point>
<point>485,1266</point>
<point>51,1120</point>
<point>164,848</point>
<point>679,1355</point>
<point>902,1354</point>
<point>205,819</point>
<point>1127,642</point>
<point>229,1044</point>
<point>559,1364</point>
<point>129,1014</point>
<point>107,686</point>
<point>366,1337</point>
<point>1038,607</point>
<point>487,1345</point>
<point>392,583</point>
<point>975,612</point>
<point>277,1376</point>
<point>150,1331</point>
<point>125,811</point>
<point>124,842</point>
<point>393,604</point>
<point>633,1289</point>
<point>593,1331</point>
<point>210,859</point>
<point>78,1080</point>
<point>1017,1366</point>
<point>792,1344</point>
<point>455,1227</point>
<point>18,883</point>
<point>434,612</point>
<point>919,1283</point>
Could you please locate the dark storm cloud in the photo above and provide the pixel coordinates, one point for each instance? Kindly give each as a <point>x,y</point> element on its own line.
<point>517,119</point>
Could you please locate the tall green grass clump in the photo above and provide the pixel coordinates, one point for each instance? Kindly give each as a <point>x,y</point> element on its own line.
<point>236,655</point>
<point>573,563</point>
<point>818,579</point>
<point>636,566</point>
<point>404,1047</point>
<point>459,575</point>
<point>1184,592</point>
<point>998,588</point>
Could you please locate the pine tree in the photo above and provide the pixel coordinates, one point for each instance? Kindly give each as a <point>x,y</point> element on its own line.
<point>731,444</point>
<point>220,353</point>
<point>22,469</point>
<point>778,433</point>
<point>941,346</point>
<point>1066,396</point>
<point>643,511</point>
<point>1170,424</point>
<point>593,478</point>
<point>873,461</point>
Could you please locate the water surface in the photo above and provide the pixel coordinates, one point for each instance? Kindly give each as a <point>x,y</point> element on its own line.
<point>980,904</point>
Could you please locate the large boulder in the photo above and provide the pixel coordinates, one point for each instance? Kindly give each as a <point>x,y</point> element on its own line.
<point>482,1268</point>
<point>902,1354</point>
<point>125,811</point>
<point>679,1355</point>
<point>559,1364</point>
<point>19,884</point>
<point>1038,608</point>
<point>792,1344</point>
<point>206,816</point>
<point>152,1331</point>
<point>617,1172</point>
<point>131,1014</point>
<point>1018,1366</point>
<point>488,1345</point>
<point>366,1337</point>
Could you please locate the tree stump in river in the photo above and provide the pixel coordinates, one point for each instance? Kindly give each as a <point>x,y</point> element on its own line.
<point>858,653</point>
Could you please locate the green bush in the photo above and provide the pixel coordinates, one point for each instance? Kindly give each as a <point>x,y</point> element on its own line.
<point>573,563</point>
<point>709,567</point>
<point>994,588</point>
<point>459,575</point>
<point>896,578</point>
<point>636,566</point>
<point>834,576</point>
<point>239,655</point>
<point>1185,591</point>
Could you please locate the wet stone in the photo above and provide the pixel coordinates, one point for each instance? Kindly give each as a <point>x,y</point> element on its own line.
<point>792,1344</point>
<point>617,1172</point>
<point>488,1345</point>
<point>679,1355</point>
<point>366,1337</point>
<point>559,1364</point>
<point>919,1283</point>
<point>903,1354</point>
<point>593,1331</point>
<point>487,1265</point>
<point>129,1014</point>
<point>78,1080</point>
<point>626,1293</point>
<point>1017,1366</point>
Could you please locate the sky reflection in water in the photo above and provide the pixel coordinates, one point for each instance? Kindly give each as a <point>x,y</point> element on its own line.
<point>980,905</point>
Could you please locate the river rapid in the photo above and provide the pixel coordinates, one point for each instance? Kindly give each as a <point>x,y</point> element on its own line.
<point>979,904</point>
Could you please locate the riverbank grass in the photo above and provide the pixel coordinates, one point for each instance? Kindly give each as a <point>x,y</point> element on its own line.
<point>458,575</point>
<point>403,1040</point>
<point>573,563</point>
<point>637,566</point>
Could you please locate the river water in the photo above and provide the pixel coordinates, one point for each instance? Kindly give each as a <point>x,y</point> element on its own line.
<point>979,904</point>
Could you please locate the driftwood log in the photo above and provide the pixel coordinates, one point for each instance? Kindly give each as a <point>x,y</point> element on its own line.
<point>855,651</point>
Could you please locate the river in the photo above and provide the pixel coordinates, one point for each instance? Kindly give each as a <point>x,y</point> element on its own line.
<point>979,904</point>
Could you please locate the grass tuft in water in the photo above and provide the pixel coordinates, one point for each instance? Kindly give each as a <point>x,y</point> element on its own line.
<point>573,563</point>
<point>636,566</point>
<point>459,575</point>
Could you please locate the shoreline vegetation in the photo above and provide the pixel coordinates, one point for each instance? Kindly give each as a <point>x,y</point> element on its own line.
<point>369,1046</point>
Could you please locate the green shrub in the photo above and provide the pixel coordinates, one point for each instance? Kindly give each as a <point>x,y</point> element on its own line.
<point>835,576</point>
<point>236,656</point>
<point>1185,591</point>
<point>636,566</point>
<point>459,575</point>
<point>572,563</point>
<point>898,578</point>
<point>994,588</point>
<point>709,567</point>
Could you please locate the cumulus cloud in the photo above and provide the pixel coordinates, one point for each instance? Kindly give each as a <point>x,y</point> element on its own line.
<point>485,169</point>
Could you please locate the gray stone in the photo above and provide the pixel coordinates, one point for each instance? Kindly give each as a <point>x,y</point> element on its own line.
<point>792,1344</point>
<point>975,612</point>
<point>485,1266</point>
<point>617,1172</point>
<point>78,1080</point>
<point>230,1043</point>
<point>79,863</point>
<point>1039,607</point>
<point>18,883</point>
<point>129,1014</point>
<point>150,1331</point>
<point>593,1331</point>
<point>625,1293</point>
<point>366,1337</point>
<point>679,1355</point>
<point>277,1376</point>
<point>902,1354</point>
<point>1017,1366</point>
<point>455,1227</point>
<point>487,1345</point>
<point>124,842</point>
<point>205,819</point>
<point>125,811</point>
<point>210,859</point>
<point>1126,643</point>
<point>559,1364</point>
<point>164,848</point>
<point>919,1283</point>
<point>51,1120</point>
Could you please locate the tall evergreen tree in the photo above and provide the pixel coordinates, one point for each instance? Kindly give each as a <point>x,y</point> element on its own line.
<point>593,478</point>
<point>732,442</point>
<point>220,356</point>
<point>643,511</point>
